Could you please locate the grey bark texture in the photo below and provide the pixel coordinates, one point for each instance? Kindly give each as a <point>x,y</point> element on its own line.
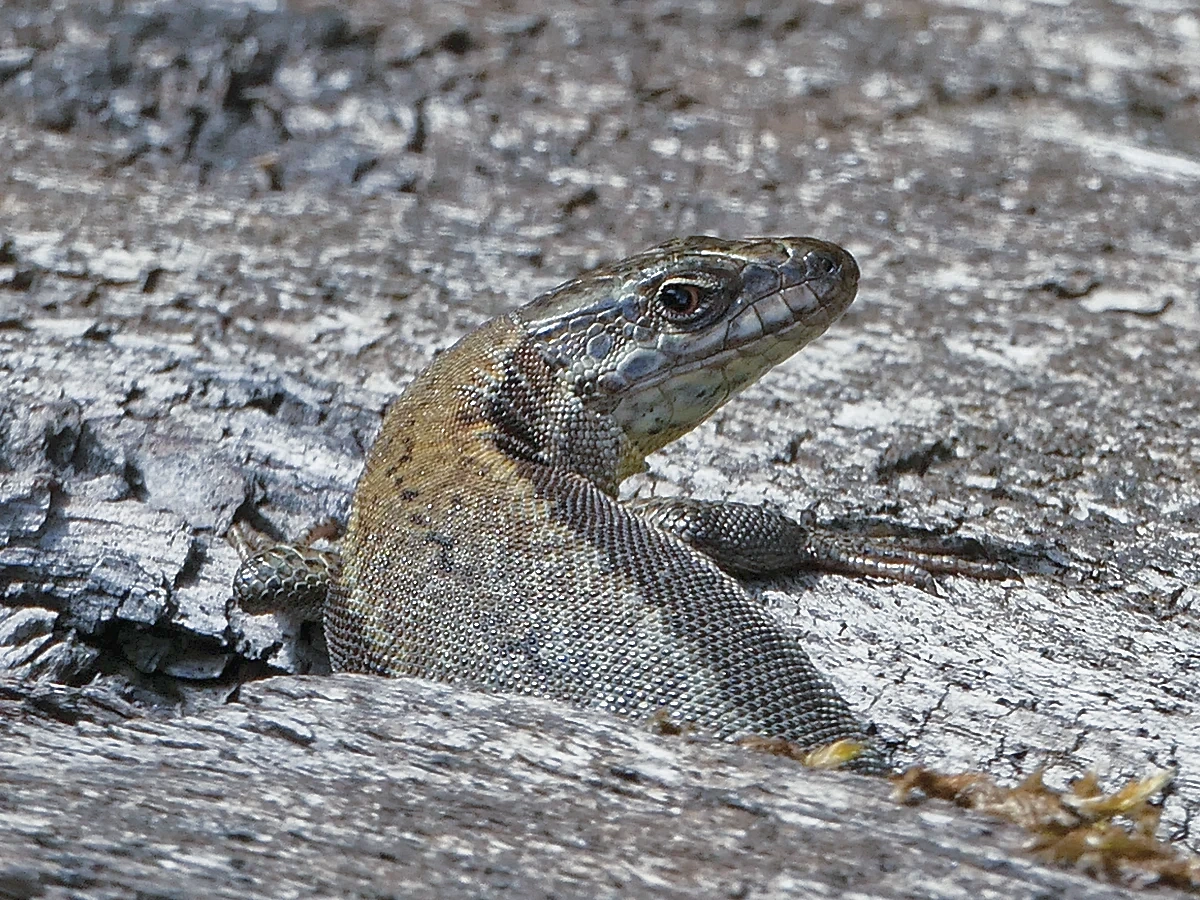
<point>230,233</point>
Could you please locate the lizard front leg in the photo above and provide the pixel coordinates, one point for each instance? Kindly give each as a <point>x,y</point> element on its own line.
<point>745,540</point>
<point>750,541</point>
<point>290,578</point>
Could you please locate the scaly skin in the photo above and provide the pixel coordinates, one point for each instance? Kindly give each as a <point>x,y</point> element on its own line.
<point>486,546</point>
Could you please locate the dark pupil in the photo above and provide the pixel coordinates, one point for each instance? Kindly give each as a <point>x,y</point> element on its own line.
<point>679,298</point>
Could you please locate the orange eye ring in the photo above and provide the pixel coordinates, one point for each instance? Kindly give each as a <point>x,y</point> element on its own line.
<point>679,299</point>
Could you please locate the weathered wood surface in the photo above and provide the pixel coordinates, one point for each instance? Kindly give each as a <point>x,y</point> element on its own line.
<point>228,235</point>
<point>345,786</point>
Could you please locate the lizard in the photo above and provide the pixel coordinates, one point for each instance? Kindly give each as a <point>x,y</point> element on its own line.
<point>486,544</point>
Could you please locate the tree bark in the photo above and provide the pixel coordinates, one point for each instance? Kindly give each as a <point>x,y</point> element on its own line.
<point>229,234</point>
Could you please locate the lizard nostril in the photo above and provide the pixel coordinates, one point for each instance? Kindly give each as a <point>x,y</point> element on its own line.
<point>826,261</point>
<point>820,263</point>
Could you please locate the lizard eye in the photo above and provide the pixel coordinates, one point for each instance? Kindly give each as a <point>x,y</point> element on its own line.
<point>680,300</point>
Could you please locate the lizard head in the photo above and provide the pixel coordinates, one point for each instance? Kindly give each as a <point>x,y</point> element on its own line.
<point>658,342</point>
